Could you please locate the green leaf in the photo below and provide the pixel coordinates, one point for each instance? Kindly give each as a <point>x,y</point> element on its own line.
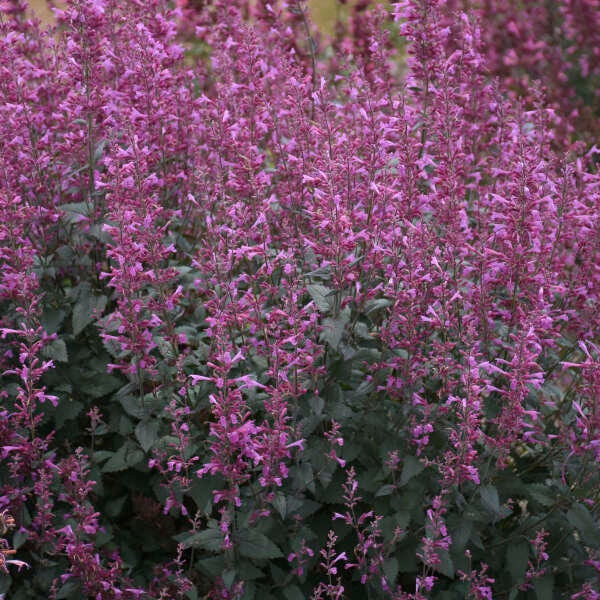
<point>377,304</point>
<point>362,331</point>
<point>293,592</point>
<point>56,351</point>
<point>280,504</point>
<point>249,592</point>
<point>412,466</point>
<point>103,385</point>
<point>390,570</point>
<point>125,457</point>
<point>246,570</point>
<point>228,578</point>
<point>320,295</point>
<point>132,406</point>
<point>101,455</point>
<point>580,517</point>
<point>302,507</point>
<point>87,308</point>
<point>201,490</point>
<point>192,593</point>
<point>386,490</point>
<point>66,410</point>
<point>446,565</point>
<point>542,494</point>
<point>209,539</point>
<point>305,477</point>
<point>114,507</point>
<point>316,403</point>
<point>362,391</point>
<point>165,347</point>
<point>212,566</point>
<point>406,556</point>
<point>19,538</point>
<point>52,319</point>
<point>544,587</point>
<point>333,329</point>
<point>99,150</point>
<point>70,590</point>
<point>74,212</point>
<point>146,433</point>
<point>517,556</point>
<point>253,544</point>
<point>490,499</point>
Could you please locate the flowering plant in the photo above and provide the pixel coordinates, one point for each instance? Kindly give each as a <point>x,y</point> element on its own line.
<point>288,316</point>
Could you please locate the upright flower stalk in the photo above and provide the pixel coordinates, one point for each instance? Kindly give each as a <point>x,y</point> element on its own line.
<point>330,302</point>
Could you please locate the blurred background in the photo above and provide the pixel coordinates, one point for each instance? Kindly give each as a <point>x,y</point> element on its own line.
<point>323,12</point>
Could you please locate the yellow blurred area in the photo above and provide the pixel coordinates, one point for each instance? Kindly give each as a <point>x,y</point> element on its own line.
<point>323,12</point>
<point>41,10</point>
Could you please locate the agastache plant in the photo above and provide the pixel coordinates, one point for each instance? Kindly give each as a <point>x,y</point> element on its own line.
<point>286,314</point>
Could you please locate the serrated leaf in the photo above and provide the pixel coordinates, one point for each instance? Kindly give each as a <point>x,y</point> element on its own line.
<point>412,466</point>
<point>362,331</point>
<point>320,295</point>
<point>146,433</point>
<point>132,406</point>
<point>581,518</point>
<point>446,565</point>
<point>390,569</point>
<point>74,212</point>
<point>19,538</point>
<point>280,504</point>
<point>56,351</point>
<point>490,499</point>
<point>87,308</point>
<point>103,385</point>
<point>212,566</point>
<point>101,455</point>
<point>517,556</point>
<point>125,457</point>
<point>305,476</point>
<point>303,507</point>
<point>112,347</point>
<point>165,347</point>
<point>228,577</point>
<point>246,570</point>
<point>254,544</point>
<point>116,462</point>
<point>377,304</point>
<point>114,507</point>
<point>67,410</point>
<point>99,150</point>
<point>249,592</point>
<point>192,593</point>
<point>461,534</point>
<point>333,329</point>
<point>386,490</point>
<point>316,404</point>
<point>362,391</point>
<point>293,592</point>
<point>52,319</point>
<point>71,589</point>
<point>544,587</point>
<point>542,494</point>
<point>201,490</point>
<point>209,539</point>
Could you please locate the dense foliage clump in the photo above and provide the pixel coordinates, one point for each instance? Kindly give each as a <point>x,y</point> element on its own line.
<point>288,317</point>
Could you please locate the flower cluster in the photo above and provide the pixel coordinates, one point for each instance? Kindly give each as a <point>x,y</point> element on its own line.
<point>247,265</point>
